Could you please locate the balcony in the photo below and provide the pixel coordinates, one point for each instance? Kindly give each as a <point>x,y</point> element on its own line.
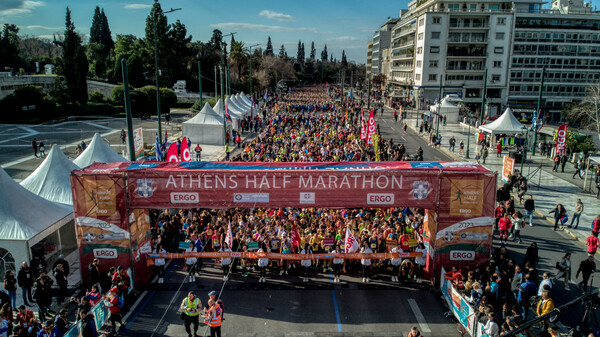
<point>474,69</point>
<point>454,51</point>
<point>472,25</point>
<point>401,56</point>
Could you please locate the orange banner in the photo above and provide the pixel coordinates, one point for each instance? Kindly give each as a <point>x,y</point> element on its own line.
<point>254,255</point>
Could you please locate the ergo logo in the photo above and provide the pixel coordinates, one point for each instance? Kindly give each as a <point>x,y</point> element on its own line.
<point>462,255</point>
<point>380,198</point>
<point>105,253</point>
<point>184,197</point>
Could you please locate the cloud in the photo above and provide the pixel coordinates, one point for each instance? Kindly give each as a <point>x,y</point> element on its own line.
<point>262,28</point>
<point>49,37</point>
<point>276,16</point>
<point>42,27</point>
<point>137,6</point>
<point>18,7</point>
<point>342,38</point>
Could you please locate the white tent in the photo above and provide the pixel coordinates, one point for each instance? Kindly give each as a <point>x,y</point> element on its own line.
<point>445,108</point>
<point>97,151</point>
<point>239,98</point>
<point>51,180</point>
<point>26,219</point>
<point>235,112</point>
<point>505,124</point>
<point>239,106</point>
<point>245,99</point>
<point>205,128</point>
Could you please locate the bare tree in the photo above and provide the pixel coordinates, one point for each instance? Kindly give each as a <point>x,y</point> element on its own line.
<point>586,113</point>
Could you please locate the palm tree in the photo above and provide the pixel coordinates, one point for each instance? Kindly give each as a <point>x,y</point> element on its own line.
<point>238,55</point>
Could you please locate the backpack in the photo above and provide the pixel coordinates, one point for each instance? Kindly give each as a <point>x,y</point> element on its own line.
<point>121,302</point>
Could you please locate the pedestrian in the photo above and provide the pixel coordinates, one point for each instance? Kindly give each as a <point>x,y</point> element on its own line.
<point>586,268</point>
<point>529,209</point>
<point>484,154</point>
<point>405,127</point>
<point>532,256</point>
<point>546,284</point>
<point>596,225</point>
<point>61,322</point>
<point>212,295</point>
<point>306,262</point>
<point>88,325</point>
<point>395,263</point>
<point>160,263</point>
<point>592,243</point>
<point>414,332</point>
<point>198,150</point>
<point>559,215</point>
<point>337,264</point>
<point>190,307</point>
<point>43,296</point>
<point>490,328</point>
<point>83,146</point>
<point>498,149</point>
<point>556,163</point>
<point>42,150</point>
<point>123,136</point>
<point>114,304</point>
<point>505,225</point>
<point>577,213</point>
<point>10,285</point>
<point>452,143</point>
<point>545,306</point>
<point>49,330</point>
<point>578,169</point>
<point>190,263</point>
<point>395,116</point>
<point>61,280</point>
<point>227,150</point>
<point>225,261</point>
<point>35,147</point>
<point>366,262</point>
<point>25,281</point>
<point>263,262</point>
<point>213,318</point>
<point>517,224</point>
<point>24,316</point>
<point>564,270</point>
<point>563,162</point>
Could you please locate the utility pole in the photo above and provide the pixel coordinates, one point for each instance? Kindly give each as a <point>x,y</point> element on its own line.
<point>539,109</point>
<point>228,81</point>
<point>251,92</point>
<point>216,92</point>
<point>222,67</point>
<point>369,95</point>
<point>200,84</point>
<point>437,129</point>
<point>342,81</point>
<point>128,111</point>
<point>483,94</point>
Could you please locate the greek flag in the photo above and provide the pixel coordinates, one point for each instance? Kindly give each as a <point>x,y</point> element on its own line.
<point>158,152</point>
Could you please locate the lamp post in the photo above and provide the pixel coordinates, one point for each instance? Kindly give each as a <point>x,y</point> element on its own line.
<point>469,134</point>
<point>222,68</point>
<point>157,71</point>
<point>251,92</point>
<point>524,156</point>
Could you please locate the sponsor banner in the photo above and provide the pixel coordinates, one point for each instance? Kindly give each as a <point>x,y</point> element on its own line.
<point>561,139</point>
<point>508,167</point>
<point>462,255</point>
<point>105,253</point>
<point>251,255</point>
<point>462,310</point>
<point>138,143</point>
<point>274,188</point>
<point>466,197</point>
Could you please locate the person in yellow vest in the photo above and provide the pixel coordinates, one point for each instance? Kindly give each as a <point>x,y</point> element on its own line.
<point>191,307</point>
<point>545,306</point>
<point>227,150</point>
<point>213,318</point>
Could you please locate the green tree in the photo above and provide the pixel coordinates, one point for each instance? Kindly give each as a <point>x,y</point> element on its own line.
<point>238,55</point>
<point>9,47</point>
<point>282,52</point>
<point>269,49</point>
<point>73,64</point>
<point>216,40</point>
<point>324,54</point>
<point>180,56</point>
<point>313,51</point>
<point>344,61</point>
<point>162,38</point>
<point>101,43</point>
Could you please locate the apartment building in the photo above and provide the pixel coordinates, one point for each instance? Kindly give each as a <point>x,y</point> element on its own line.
<point>381,41</point>
<point>369,59</point>
<point>448,47</point>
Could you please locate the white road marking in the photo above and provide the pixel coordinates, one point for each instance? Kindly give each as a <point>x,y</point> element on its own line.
<point>419,315</point>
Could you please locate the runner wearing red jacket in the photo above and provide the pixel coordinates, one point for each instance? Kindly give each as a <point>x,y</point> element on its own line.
<point>505,224</point>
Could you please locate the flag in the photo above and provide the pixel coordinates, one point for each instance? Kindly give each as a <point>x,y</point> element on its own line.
<point>158,149</point>
<point>163,148</point>
<point>172,153</point>
<point>371,128</point>
<point>540,125</point>
<point>229,236</point>
<point>185,150</point>
<point>227,115</point>
<point>265,95</point>
<point>350,242</point>
<point>295,237</point>
<point>363,129</point>
<point>561,139</point>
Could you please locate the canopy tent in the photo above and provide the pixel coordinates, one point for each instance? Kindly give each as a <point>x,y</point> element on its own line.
<point>235,112</point>
<point>240,106</point>
<point>445,108</point>
<point>98,151</point>
<point>205,128</point>
<point>245,99</point>
<point>505,124</point>
<point>26,219</point>
<point>241,101</point>
<point>51,180</point>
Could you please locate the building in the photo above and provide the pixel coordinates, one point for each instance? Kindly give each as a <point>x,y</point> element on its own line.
<point>453,47</point>
<point>381,41</point>
<point>369,59</point>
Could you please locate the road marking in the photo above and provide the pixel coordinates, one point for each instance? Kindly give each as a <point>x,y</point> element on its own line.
<point>335,306</point>
<point>419,315</point>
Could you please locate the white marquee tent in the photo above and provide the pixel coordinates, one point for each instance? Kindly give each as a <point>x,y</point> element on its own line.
<point>205,128</point>
<point>245,98</point>
<point>26,219</point>
<point>505,124</point>
<point>235,112</point>
<point>97,151</point>
<point>447,109</point>
<point>239,106</point>
<point>51,180</point>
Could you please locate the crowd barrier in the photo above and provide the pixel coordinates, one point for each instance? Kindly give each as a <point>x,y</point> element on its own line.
<point>277,256</point>
<point>100,312</point>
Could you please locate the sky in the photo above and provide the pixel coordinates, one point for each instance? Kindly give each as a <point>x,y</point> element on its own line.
<point>339,24</point>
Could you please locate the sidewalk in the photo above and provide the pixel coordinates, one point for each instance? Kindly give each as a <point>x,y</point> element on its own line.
<point>553,187</point>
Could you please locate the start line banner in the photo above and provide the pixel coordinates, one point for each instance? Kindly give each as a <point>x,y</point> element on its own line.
<point>275,256</point>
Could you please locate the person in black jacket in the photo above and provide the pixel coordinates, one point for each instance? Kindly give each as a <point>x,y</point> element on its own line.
<point>61,260</point>
<point>88,327</point>
<point>61,322</point>
<point>529,209</point>
<point>61,280</point>
<point>25,280</point>
<point>95,278</point>
<point>586,268</point>
<point>10,285</point>
<point>43,296</point>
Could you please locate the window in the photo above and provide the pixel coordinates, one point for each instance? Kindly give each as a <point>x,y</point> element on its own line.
<point>499,50</point>
<point>420,50</point>
<point>497,64</point>
<point>421,22</point>
<point>494,8</point>
<point>433,63</point>
<point>434,49</point>
<point>419,64</point>
<point>435,35</point>
<point>418,77</point>
<point>495,78</point>
<point>453,7</point>
<point>436,20</point>
<point>420,36</point>
<point>499,36</point>
<point>501,21</point>
<point>433,77</point>
<point>473,7</point>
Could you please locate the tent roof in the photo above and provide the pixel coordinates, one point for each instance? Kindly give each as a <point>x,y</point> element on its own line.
<point>245,98</point>
<point>507,123</point>
<point>240,99</point>
<point>234,110</point>
<point>219,107</point>
<point>206,116</point>
<point>447,104</point>
<point>51,180</point>
<point>23,214</point>
<point>97,151</point>
<point>241,106</point>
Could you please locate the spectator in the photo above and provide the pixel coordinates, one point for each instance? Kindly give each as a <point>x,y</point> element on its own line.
<point>586,268</point>
<point>112,302</point>
<point>88,325</point>
<point>25,280</point>
<point>10,285</point>
<point>545,306</point>
<point>546,284</point>
<point>592,244</point>
<point>95,278</point>
<point>61,322</point>
<point>564,270</point>
<point>577,213</point>
<point>529,209</point>
<point>559,215</point>
<point>43,296</point>
<point>61,281</point>
<point>24,316</point>
<point>526,290</point>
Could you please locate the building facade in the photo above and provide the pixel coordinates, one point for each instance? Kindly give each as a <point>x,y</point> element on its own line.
<point>453,47</point>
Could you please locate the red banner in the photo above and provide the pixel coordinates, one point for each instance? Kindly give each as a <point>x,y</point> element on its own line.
<point>561,139</point>
<point>172,155</point>
<point>363,128</point>
<point>252,255</point>
<point>185,150</point>
<point>371,128</point>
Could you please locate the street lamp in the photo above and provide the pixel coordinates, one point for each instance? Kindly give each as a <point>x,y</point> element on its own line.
<point>222,68</point>
<point>157,72</point>
<point>251,92</point>
<point>524,155</point>
<point>469,114</point>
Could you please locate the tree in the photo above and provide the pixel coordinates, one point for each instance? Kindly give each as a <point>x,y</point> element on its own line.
<point>379,80</point>
<point>73,64</point>
<point>282,52</point>
<point>162,39</point>
<point>101,43</point>
<point>216,40</point>
<point>9,47</point>
<point>313,51</point>
<point>238,54</point>
<point>587,112</point>
<point>324,54</point>
<point>344,61</point>
<point>300,53</point>
<point>180,54</point>
<point>269,49</point>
